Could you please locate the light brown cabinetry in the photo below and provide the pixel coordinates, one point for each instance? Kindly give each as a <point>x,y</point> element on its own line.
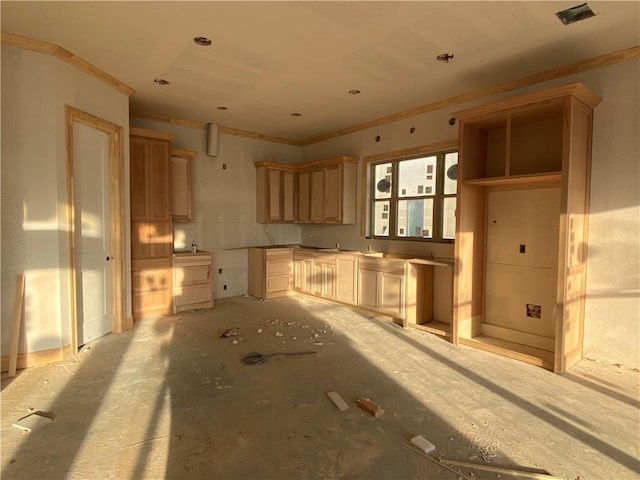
<point>520,266</point>
<point>316,192</point>
<point>270,271</point>
<point>381,286</point>
<point>192,281</point>
<point>347,279</point>
<point>151,222</point>
<point>331,192</point>
<point>182,209</point>
<point>274,192</point>
<point>316,273</point>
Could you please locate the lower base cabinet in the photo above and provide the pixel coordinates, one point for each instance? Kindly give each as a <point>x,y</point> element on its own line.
<point>192,281</point>
<point>382,290</point>
<point>151,287</point>
<point>270,271</point>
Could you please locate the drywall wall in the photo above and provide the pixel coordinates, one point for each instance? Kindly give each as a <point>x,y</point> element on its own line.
<point>612,317</point>
<point>35,90</point>
<point>224,201</point>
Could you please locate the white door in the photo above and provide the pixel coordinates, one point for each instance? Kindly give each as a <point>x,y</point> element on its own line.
<point>92,232</point>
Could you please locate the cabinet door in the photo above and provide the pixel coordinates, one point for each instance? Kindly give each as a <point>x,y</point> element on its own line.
<point>333,194</point>
<point>391,294</point>
<point>368,289</point>
<point>181,189</point>
<point>346,279</point>
<point>317,196</point>
<point>274,205</point>
<point>304,197</point>
<point>329,281</point>
<point>317,285</point>
<point>298,274</point>
<point>139,155</point>
<point>159,174</point>
<point>287,197</point>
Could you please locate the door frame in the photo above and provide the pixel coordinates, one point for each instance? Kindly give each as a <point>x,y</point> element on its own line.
<point>116,205</point>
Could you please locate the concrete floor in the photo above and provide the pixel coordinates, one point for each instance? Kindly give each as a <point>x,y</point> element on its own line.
<point>172,400</point>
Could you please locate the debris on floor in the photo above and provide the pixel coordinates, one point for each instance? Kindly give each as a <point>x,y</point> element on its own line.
<point>423,444</point>
<point>34,420</point>
<point>338,401</point>
<point>228,333</point>
<point>254,358</point>
<point>370,407</point>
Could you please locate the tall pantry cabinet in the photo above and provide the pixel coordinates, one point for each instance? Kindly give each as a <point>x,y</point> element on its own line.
<point>151,222</point>
<point>522,224</point>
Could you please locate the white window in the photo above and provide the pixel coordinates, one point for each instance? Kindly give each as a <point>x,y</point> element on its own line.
<point>415,198</point>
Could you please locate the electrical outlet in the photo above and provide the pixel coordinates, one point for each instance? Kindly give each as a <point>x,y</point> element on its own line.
<point>224,287</point>
<point>523,248</point>
<point>534,311</point>
<point>224,166</point>
<point>219,270</point>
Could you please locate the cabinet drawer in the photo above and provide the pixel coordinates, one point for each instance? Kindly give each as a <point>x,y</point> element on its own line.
<point>278,254</point>
<point>192,275</point>
<point>194,294</point>
<point>278,283</point>
<point>278,268</point>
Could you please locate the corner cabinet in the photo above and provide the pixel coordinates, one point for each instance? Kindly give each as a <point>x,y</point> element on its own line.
<point>274,192</point>
<point>327,191</point>
<point>321,192</point>
<point>151,222</point>
<point>521,227</point>
<point>182,210</point>
<point>270,271</point>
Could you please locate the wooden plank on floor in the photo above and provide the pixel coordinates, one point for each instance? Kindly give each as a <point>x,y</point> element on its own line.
<point>15,332</point>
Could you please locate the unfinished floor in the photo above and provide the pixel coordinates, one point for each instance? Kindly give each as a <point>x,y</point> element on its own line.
<point>172,400</point>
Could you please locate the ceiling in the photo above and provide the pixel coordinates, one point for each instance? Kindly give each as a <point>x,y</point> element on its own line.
<point>271,59</point>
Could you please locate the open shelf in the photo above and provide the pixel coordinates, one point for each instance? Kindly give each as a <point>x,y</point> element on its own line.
<point>437,328</point>
<point>550,179</point>
<point>524,353</point>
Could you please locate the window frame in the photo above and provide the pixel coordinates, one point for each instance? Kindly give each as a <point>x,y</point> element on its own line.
<point>437,229</point>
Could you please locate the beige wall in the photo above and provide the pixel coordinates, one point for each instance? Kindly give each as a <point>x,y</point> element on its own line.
<point>35,89</point>
<point>224,218</point>
<point>612,319</point>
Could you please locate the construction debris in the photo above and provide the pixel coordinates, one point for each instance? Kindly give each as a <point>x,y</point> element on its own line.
<point>423,444</point>
<point>34,420</point>
<point>338,401</point>
<point>228,333</point>
<point>370,407</point>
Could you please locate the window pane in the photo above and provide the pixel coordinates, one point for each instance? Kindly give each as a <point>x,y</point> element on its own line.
<point>417,177</point>
<point>449,218</point>
<point>450,173</point>
<point>382,180</point>
<point>381,219</point>
<point>415,218</point>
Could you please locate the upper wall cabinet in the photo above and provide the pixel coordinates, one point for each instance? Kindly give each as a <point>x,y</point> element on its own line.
<point>332,191</point>
<point>150,178</point>
<point>274,192</point>
<point>521,232</point>
<point>181,184</point>
<point>316,192</point>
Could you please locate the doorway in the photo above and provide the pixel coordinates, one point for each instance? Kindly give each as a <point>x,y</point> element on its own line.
<point>96,231</point>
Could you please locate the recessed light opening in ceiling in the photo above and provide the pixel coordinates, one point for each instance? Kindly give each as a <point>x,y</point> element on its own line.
<point>354,92</point>
<point>575,14</point>
<point>296,114</point>
<point>221,107</point>
<point>161,81</point>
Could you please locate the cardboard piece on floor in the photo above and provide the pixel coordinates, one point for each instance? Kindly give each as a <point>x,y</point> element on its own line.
<point>370,407</point>
<point>32,421</point>
<point>338,401</point>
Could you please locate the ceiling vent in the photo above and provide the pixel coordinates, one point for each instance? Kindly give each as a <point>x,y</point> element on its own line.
<point>575,14</point>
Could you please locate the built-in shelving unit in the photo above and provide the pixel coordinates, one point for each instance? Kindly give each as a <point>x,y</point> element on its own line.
<point>522,224</point>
